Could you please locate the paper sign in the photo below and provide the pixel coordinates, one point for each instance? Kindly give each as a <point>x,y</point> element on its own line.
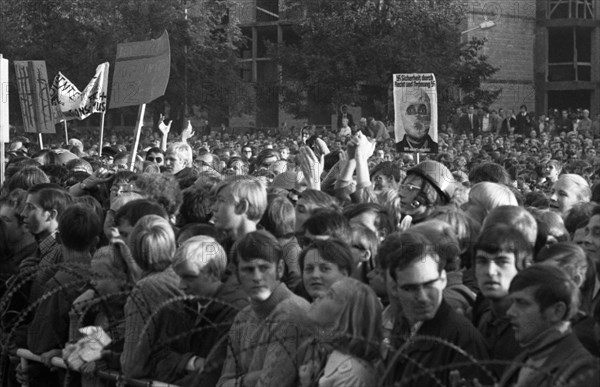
<point>141,72</point>
<point>34,95</point>
<point>416,115</point>
<point>71,104</point>
<point>4,124</point>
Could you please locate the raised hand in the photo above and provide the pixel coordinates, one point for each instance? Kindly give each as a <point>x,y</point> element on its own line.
<point>187,132</point>
<point>164,128</point>
<point>311,166</point>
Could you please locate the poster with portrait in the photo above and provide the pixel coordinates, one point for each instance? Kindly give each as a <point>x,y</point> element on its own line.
<point>416,116</point>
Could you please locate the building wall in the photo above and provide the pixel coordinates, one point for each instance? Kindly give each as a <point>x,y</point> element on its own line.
<point>510,47</point>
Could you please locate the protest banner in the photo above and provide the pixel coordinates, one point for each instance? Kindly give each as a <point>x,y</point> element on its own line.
<point>416,115</point>
<point>141,75</point>
<point>71,104</point>
<point>4,122</point>
<point>34,95</point>
<point>141,72</point>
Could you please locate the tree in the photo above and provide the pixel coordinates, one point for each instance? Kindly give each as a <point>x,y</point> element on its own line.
<point>74,36</point>
<point>347,52</point>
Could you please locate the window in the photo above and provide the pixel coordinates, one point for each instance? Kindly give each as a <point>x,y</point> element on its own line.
<point>569,54</point>
<point>570,9</point>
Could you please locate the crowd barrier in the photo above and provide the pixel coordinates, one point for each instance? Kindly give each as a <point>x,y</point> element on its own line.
<point>25,356</point>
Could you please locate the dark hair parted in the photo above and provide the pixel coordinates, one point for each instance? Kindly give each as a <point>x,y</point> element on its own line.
<point>500,237</point>
<point>400,250</point>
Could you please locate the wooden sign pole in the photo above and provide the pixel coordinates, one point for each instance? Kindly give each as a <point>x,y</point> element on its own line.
<point>138,130</point>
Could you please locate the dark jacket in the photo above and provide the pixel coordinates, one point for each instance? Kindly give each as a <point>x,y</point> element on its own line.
<point>465,126</point>
<point>192,333</point>
<point>568,364</point>
<point>437,358</point>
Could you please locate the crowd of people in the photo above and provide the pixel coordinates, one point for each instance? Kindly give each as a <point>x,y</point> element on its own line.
<point>308,257</point>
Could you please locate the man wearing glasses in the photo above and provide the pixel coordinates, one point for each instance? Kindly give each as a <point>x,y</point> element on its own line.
<point>156,156</point>
<point>246,153</point>
<point>425,326</point>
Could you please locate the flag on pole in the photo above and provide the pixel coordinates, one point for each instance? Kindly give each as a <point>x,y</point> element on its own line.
<point>71,104</point>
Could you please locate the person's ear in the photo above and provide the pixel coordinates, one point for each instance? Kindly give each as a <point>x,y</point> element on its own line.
<point>443,279</point>
<point>365,255</point>
<point>241,207</point>
<point>557,312</point>
<point>52,215</point>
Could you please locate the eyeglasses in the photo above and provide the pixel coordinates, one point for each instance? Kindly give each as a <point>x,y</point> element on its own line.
<point>155,159</point>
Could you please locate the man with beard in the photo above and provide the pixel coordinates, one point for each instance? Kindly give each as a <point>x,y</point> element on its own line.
<point>416,121</point>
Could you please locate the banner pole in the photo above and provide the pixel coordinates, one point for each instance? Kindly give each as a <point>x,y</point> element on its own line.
<point>2,164</point>
<point>40,141</point>
<point>417,157</point>
<point>138,130</point>
<point>66,132</point>
<point>101,133</point>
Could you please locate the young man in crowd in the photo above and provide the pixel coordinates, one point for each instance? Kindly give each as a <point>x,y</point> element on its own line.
<point>542,301</point>
<point>266,335</point>
<point>47,334</point>
<point>416,280</point>
<point>499,254</point>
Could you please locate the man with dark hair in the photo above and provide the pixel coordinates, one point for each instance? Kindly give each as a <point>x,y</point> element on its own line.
<point>386,175</point>
<point>499,254</point>
<point>542,301</point>
<point>416,280</point>
<point>43,206</point>
<point>325,224</point>
<point>156,155</point>
<point>491,172</point>
<point>47,334</point>
<point>266,335</point>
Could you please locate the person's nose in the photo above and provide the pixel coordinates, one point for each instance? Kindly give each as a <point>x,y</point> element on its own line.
<point>554,197</point>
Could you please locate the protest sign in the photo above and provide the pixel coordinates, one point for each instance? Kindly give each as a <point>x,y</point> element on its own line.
<point>34,95</point>
<point>71,104</point>
<point>141,72</point>
<point>415,107</point>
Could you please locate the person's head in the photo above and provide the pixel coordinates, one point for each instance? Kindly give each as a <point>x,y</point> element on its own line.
<point>542,297</point>
<point>465,227</point>
<point>444,241</point>
<point>129,213</point>
<point>26,178</point>
<point>386,175</point>
<point>591,237</point>
<point>485,196</point>
<point>426,185</point>
<point>416,114</point>
<point>200,263</point>
<point>43,207</point>
<point>238,201</point>
<point>246,152</point>
<point>79,228</point>
<point>179,156</point>
<point>415,275</point>
<point>259,263</point>
<point>569,190</point>
<point>196,206</point>
<point>280,218</point>
<point>155,155</point>
<point>323,262</point>
<point>152,243</point>
<point>552,169</point>
<point>492,172</point>
<point>365,245</point>
<point>310,200</point>
<point>325,224</point>
<point>499,254</point>
<point>515,217</point>
<point>351,310</point>
<point>236,166</point>
<point>371,215</point>
<point>567,256</point>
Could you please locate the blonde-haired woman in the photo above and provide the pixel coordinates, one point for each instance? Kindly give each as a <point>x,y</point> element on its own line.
<point>348,321</point>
